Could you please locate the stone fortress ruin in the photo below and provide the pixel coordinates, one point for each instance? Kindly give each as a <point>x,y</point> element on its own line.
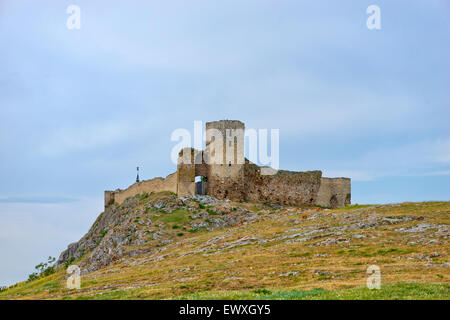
<point>224,173</point>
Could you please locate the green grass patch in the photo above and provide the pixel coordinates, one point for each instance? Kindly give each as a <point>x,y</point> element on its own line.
<point>201,229</point>
<point>371,252</point>
<point>299,254</point>
<point>177,217</point>
<point>354,206</point>
<point>390,291</point>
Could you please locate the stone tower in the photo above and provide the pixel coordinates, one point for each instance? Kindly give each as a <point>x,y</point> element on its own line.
<point>221,163</point>
<point>225,155</point>
<point>221,170</point>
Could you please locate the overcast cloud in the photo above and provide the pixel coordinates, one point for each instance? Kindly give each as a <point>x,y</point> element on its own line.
<point>80,109</point>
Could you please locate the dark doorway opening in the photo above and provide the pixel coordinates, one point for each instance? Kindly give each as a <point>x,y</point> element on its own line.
<point>200,185</point>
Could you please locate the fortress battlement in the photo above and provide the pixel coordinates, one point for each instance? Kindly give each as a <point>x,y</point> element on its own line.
<point>226,174</point>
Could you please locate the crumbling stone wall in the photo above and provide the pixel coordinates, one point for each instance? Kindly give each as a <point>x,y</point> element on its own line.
<point>109,198</point>
<point>230,186</point>
<point>284,187</point>
<point>190,165</point>
<point>230,176</point>
<point>246,183</point>
<point>334,192</point>
<point>153,185</point>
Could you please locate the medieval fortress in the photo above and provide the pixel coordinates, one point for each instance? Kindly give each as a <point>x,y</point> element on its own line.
<point>226,174</point>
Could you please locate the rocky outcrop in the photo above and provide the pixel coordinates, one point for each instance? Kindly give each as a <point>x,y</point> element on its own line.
<point>146,222</point>
<point>113,215</point>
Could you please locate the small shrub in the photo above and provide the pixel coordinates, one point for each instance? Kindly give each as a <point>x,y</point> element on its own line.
<point>201,229</point>
<point>262,291</point>
<point>44,269</point>
<point>32,276</point>
<point>69,261</point>
<point>143,196</point>
<point>180,234</point>
<point>386,251</point>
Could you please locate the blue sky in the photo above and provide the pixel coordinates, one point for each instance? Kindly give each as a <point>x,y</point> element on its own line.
<point>80,109</point>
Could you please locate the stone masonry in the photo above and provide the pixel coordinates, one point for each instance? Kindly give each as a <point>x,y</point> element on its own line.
<point>227,174</point>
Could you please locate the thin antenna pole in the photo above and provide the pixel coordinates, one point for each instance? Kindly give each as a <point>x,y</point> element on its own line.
<point>137,177</point>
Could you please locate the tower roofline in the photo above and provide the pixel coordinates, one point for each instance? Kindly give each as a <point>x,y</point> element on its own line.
<point>224,122</point>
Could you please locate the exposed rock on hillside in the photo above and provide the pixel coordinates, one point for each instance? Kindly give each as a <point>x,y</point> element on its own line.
<point>149,221</point>
<point>156,246</point>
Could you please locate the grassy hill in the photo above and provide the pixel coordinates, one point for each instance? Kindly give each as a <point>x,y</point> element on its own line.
<point>156,246</point>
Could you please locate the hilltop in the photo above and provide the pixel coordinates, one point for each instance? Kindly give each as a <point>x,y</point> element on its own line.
<point>156,246</point>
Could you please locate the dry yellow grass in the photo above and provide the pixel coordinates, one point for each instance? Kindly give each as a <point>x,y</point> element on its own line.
<point>290,249</point>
